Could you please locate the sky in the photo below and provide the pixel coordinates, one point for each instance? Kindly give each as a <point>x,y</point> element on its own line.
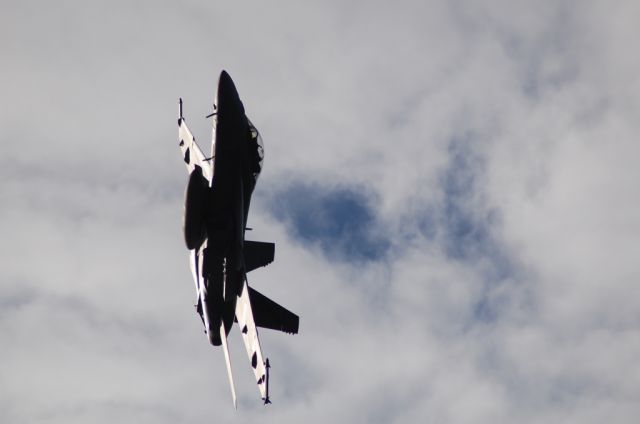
<point>452,187</point>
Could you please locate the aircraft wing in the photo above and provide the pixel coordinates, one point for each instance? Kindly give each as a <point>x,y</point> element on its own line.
<point>244,315</point>
<point>191,152</point>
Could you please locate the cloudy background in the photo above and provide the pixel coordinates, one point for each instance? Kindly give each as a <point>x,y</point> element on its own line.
<point>452,187</point>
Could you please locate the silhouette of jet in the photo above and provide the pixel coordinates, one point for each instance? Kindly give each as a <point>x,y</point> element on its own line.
<point>215,214</point>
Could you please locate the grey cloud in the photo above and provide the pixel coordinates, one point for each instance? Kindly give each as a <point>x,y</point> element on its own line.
<point>513,296</point>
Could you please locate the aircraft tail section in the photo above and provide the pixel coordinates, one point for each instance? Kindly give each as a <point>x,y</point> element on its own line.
<point>257,254</point>
<point>268,314</point>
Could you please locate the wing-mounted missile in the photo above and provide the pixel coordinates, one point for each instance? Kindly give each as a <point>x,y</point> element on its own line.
<point>266,399</point>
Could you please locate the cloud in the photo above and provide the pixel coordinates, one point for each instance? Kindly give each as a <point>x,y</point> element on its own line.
<point>472,164</point>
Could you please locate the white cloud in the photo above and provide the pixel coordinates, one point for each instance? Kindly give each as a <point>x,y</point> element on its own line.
<point>543,98</point>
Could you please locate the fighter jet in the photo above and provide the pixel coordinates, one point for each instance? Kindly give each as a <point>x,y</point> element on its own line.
<point>216,207</point>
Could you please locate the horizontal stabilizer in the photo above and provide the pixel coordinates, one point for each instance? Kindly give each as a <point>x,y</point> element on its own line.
<point>257,254</point>
<point>268,314</point>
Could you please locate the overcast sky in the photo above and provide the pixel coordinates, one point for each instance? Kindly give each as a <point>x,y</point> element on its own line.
<point>452,187</point>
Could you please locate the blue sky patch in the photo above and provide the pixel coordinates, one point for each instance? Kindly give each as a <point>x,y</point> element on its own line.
<point>467,225</point>
<point>467,231</point>
<point>340,220</point>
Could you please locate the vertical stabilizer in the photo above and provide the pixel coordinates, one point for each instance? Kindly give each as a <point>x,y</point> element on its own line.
<point>225,348</point>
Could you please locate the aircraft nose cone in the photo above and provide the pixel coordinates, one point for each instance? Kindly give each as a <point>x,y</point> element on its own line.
<point>228,99</point>
<point>225,78</point>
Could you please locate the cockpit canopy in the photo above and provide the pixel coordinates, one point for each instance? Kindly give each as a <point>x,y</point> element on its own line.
<point>256,150</point>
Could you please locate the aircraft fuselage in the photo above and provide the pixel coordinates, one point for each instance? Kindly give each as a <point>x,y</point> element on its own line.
<point>216,207</point>
<point>221,209</point>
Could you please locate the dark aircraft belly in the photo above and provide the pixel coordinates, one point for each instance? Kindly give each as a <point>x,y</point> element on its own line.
<point>195,210</point>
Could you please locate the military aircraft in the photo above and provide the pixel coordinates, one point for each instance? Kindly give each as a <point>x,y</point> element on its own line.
<point>216,206</point>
